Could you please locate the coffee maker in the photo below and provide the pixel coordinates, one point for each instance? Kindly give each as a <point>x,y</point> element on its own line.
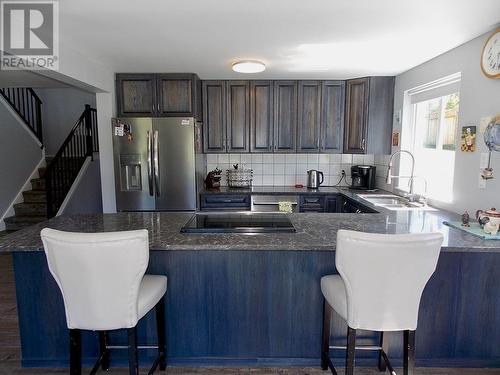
<point>363,177</point>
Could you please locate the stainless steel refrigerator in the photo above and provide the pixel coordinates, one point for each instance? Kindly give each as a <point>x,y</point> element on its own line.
<point>155,164</point>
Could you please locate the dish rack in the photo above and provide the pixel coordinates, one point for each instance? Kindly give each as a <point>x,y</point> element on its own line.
<point>239,178</point>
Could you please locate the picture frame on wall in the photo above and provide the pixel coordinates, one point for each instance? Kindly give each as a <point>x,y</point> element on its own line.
<point>469,135</point>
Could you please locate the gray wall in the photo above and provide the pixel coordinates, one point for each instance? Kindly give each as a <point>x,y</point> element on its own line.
<point>19,155</point>
<point>61,109</point>
<point>87,197</point>
<point>479,97</point>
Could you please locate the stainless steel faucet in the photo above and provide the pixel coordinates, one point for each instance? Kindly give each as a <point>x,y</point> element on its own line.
<point>391,176</point>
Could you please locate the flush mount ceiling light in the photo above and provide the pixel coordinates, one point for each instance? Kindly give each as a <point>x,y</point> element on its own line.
<point>249,66</point>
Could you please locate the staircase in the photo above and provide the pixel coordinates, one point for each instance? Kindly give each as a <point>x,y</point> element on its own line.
<point>55,179</point>
<point>34,207</point>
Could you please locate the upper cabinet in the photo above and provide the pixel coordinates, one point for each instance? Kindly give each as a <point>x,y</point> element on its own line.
<point>261,116</point>
<point>158,95</point>
<point>332,116</point>
<point>309,116</point>
<point>214,116</point>
<point>285,116</point>
<point>238,116</point>
<point>368,115</point>
<point>135,94</point>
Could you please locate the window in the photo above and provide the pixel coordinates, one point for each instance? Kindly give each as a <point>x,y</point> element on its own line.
<point>430,131</point>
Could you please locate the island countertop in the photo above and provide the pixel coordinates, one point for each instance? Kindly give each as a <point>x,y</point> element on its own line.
<point>315,231</point>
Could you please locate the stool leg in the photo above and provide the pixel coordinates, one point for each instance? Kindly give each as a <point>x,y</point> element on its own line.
<point>384,344</point>
<point>103,342</point>
<point>325,345</point>
<point>133,363</point>
<point>160,327</point>
<point>351,349</point>
<point>75,352</point>
<point>409,352</point>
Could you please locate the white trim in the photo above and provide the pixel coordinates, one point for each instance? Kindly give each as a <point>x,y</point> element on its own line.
<point>16,116</point>
<point>75,184</point>
<point>19,197</point>
<point>452,78</point>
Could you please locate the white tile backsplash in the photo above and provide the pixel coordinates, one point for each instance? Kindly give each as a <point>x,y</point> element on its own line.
<point>234,158</point>
<point>212,159</point>
<point>291,169</point>
<point>246,159</point>
<point>256,158</point>
<point>267,158</point>
<point>357,159</point>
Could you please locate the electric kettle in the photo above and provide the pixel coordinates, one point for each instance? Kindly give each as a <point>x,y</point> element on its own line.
<point>313,179</point>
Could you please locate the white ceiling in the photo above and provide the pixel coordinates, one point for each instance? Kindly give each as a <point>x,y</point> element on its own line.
<point>295,38</point>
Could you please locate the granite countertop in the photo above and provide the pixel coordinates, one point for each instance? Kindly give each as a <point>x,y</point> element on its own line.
<point>274,190</point>
<point>315,231</point>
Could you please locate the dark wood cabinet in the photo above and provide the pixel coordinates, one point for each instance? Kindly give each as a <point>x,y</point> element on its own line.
<point>332,116</point>
<point>237,116</point>
<point>356,112</point>
<point>368,115</point>
<point>135,94</point>
<point>261,116</point>
<point>332,203</point>
<point>309,114</point>
<point>353,116</point>
<point>211,202</point>
<point>214,117</point>
<point>285,116</point>
<point>312,203</point>
<point>178,95</point>
<point>158,95</point>
<point>348,205</point>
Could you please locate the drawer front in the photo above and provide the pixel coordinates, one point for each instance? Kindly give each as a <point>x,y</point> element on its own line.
<point>312,203</point>
<point>225,202</point>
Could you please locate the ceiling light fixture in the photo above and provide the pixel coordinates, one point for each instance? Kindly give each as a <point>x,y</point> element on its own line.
<point>249,66</point>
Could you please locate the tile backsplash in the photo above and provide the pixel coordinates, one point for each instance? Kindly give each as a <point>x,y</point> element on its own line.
<point>289,169</point>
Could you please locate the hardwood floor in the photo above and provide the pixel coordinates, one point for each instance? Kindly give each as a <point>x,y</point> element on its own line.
<point>10,347</point>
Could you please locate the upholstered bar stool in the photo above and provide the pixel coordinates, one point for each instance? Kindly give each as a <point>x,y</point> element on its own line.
<point>102,281</point>
<point>382,277</point>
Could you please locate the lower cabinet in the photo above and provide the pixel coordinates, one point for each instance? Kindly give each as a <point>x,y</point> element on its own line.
<point>312,203</point>
<point>330,203</point>
<point>211,202</point>
<point>351,206</point>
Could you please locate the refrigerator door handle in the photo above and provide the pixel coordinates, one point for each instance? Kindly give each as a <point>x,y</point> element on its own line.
<point>156,161</point>
<point>150,165</point>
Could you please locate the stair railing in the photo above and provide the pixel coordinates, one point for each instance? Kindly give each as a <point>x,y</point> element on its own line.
<point>28,106</point>
<point>62,171</point>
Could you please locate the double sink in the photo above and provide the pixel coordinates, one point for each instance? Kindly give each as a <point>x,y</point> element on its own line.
<point>394,202</point>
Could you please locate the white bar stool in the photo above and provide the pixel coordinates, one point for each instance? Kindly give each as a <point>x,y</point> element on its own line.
<point>102,281</point>
<point>382,277</point>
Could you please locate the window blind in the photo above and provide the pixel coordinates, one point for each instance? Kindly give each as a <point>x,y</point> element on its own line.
<point>442,87</point>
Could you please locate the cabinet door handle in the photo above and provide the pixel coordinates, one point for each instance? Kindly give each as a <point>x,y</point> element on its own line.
<point>363,144</point>
<point>158,107</point>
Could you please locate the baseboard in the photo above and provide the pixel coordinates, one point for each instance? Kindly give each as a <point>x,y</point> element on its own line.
<point>19,197</point>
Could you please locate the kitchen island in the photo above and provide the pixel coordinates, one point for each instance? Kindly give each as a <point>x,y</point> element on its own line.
<point>236,299</point>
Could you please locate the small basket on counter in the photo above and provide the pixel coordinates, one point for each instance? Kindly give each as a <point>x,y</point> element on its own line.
<point>239,177</point>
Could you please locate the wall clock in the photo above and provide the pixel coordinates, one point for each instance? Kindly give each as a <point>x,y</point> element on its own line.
<point>490,58</point>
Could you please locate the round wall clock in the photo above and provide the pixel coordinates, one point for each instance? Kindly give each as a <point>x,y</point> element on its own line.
<point>490,58</point>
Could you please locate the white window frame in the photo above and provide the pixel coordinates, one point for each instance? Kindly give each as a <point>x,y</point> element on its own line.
<point>431,90</point>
